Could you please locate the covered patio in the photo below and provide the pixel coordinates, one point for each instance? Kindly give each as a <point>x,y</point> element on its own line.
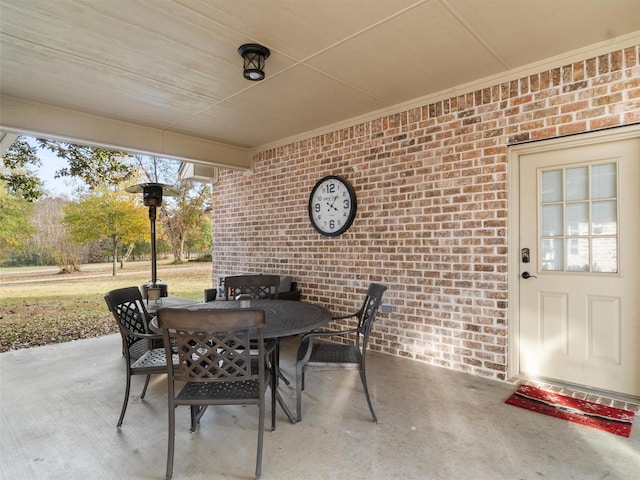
<point>413,101</point>
<point>60,404</point>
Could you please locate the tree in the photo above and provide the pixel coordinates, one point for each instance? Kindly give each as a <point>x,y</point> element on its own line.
<point>200,240</point>
<point>95,166</point>
<point>15,220</point>
<point>50,243</point>
<point>184,215</point>
<point>109,215</point>
<point>50,238</point>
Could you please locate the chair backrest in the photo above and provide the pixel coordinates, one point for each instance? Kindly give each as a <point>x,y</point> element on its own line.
<point>367,313</point>
<point>213,345</point>
<point>127,307</point>
<point>257,286</point>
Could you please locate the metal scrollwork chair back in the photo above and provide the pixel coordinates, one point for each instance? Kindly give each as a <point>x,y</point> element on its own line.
<point>257,286</point>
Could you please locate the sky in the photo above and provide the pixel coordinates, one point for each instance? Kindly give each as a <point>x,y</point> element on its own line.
<point>56,187</point>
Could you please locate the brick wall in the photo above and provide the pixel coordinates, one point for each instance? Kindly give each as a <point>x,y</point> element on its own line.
<point>431,184</point>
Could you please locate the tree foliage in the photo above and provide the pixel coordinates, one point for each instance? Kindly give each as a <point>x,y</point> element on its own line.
<point>200,240</point>
<point>95,166</point>
<point>15,224</point>
<point>107,215</point>
<point>15,174</point>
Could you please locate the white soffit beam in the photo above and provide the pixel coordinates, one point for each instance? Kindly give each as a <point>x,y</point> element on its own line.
<point>6,140</point>
<point>18,116</point>
<point>198,172</point>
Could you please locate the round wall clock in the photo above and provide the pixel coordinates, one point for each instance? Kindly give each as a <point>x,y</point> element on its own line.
<point>332,205</point>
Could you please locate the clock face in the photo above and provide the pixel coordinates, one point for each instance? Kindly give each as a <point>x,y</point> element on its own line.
<point>332,205</point>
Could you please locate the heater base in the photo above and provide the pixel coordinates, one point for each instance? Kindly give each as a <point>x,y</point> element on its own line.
<point>144,288</point>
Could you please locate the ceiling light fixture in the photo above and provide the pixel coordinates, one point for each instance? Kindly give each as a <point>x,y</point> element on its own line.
<point>254,56</point>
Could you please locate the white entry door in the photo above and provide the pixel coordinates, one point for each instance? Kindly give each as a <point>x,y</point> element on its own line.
<point>579,293</point>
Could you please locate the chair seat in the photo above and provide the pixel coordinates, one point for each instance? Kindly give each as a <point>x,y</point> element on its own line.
<point>241,389</point>
<point>194,391</point>
<point>334,353</point>
<point>153,359</point>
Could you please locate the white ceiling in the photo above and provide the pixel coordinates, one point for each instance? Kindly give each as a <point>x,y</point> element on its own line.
<point>164,76</point>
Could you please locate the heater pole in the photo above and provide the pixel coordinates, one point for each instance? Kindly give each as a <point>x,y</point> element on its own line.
<point>152,220</point>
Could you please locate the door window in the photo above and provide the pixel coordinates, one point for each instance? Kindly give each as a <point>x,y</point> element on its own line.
<point>578,230</point>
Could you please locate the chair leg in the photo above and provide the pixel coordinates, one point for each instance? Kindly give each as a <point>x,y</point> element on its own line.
<point>171,442</point>
<point>299,388</point>
<point>127,390</point>
<point>260,438</point>
<point>280,375</point>
<point>363,377</point>
<point>146,384</point>
<point>196,415</point>
<point>274,386</point>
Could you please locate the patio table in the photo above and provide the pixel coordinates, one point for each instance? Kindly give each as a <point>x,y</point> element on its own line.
<point>283,318</point>
<point>153,305</point>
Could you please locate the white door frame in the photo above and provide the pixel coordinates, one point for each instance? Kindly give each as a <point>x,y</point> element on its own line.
<point>513,153</point>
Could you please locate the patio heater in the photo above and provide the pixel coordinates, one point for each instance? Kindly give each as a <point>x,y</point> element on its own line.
<point>152,194</point>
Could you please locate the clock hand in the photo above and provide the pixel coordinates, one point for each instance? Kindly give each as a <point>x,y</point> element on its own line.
<point>330,205</point>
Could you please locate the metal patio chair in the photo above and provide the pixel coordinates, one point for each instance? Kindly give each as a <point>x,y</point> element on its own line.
<point>215,365</point>
<point>255,285</point>
<point>138,342</point>
<point>319,355</point>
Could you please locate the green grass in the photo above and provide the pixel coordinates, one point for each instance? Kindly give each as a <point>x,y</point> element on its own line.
<point>53,308</point>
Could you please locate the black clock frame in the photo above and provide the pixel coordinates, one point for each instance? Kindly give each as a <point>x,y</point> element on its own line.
<point>352,213</point>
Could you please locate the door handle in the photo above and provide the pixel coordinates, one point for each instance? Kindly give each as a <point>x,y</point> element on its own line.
<point>526,275</point>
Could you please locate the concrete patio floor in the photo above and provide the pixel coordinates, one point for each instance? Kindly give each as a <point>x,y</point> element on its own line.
<point>59,405</point>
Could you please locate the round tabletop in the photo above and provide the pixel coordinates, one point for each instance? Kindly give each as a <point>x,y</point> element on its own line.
<point>283,317</point>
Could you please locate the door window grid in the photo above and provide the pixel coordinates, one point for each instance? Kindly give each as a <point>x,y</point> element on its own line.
<point>579,219</point>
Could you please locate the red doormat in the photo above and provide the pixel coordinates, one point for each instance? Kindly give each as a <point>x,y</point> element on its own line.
<point>609,419</point>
